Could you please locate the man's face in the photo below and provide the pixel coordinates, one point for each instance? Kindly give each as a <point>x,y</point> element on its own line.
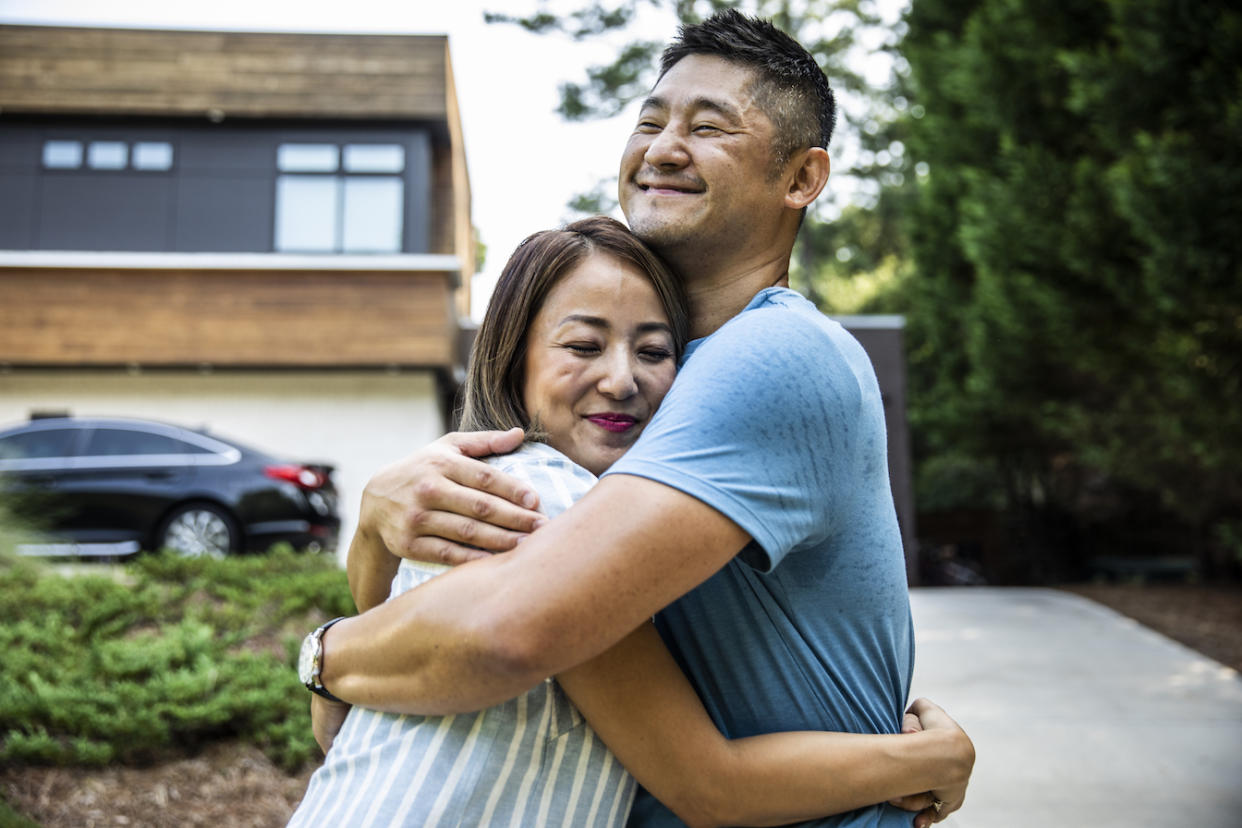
<point>697,168</point>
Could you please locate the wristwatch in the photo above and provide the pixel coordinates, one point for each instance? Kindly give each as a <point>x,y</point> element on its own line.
<point>310,661</point>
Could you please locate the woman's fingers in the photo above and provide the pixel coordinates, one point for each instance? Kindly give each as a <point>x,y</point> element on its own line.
<point>913,802</point>
<point>449,538</point>
<point>461,452</point>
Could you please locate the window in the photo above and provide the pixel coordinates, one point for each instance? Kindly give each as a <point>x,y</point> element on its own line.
<point>326,206</point>
<point>153,155</point>
<point>374,158</point>
<point>114,442</point>
<point>108,155</point>
<point>62,155</point>
<point>307,158</point>
<point>38,444</point>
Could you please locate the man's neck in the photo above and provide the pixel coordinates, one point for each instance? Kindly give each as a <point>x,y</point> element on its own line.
<point>718,294</point>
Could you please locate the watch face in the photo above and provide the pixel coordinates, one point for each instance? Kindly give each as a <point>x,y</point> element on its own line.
<point>306,659</point>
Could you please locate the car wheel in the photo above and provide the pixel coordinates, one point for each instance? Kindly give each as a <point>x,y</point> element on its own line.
<point>199,531</point>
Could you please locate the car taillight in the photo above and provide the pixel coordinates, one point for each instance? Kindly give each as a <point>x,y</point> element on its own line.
<point>303,477</point>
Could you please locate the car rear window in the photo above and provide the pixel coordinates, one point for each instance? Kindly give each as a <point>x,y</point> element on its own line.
<point>113,442</point>
<point>38,444</point>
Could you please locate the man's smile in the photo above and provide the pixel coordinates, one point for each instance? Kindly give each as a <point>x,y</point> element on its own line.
<point>671,187</point>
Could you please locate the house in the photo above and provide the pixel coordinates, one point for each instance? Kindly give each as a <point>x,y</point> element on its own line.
<point>266,234</point>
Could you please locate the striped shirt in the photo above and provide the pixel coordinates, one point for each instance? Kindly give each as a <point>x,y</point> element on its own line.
<point>530,761</point>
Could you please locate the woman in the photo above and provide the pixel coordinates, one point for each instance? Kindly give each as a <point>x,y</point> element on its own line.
<point>579,345</point>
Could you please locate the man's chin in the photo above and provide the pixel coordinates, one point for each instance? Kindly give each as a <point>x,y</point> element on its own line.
<point>660,232</point>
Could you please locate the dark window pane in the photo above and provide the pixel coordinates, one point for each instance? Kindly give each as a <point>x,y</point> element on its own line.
<point>52,442</point>
<point>117,211</point>
<point>111,442</point>
<point>224,212</point>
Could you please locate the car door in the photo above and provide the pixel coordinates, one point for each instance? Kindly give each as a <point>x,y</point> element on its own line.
<point>32,464</point>
<point>122,483</point>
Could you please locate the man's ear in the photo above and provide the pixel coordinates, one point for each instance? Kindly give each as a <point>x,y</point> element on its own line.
<point>810,174</point>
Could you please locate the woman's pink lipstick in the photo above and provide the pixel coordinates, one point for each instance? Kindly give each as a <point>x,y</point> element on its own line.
<point>613,422</point>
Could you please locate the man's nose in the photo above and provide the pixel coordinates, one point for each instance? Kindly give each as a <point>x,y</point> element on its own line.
<point>618,379</point>
<point>667,150</point>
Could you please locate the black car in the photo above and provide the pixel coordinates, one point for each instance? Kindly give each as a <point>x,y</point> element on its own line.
<point>110,487</point>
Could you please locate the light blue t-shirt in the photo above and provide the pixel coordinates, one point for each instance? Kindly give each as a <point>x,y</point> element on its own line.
<point>776,421</point>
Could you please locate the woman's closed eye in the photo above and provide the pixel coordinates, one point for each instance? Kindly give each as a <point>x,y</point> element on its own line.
<point>582,348</point>
<point>655,354</point>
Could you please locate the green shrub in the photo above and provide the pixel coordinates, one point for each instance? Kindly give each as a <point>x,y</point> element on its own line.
<point>159,657</point>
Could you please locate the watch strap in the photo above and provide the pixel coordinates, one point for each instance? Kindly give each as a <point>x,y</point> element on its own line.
<point>315,685</point>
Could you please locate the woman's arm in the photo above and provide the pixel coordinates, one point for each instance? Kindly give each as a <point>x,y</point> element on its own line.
<point>643,707</point>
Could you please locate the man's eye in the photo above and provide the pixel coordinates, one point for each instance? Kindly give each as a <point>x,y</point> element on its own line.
<point>706,128</point>
<point>648,126</point>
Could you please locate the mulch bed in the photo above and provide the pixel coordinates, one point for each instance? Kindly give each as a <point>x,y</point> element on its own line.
<point>227,785</point>
<point>235,785</point>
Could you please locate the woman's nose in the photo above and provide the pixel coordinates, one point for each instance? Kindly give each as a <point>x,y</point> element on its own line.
<point>618,381</point>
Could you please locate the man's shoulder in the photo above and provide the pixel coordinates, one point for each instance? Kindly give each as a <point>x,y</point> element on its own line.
<point>779,334</point>
<point>775,318</point>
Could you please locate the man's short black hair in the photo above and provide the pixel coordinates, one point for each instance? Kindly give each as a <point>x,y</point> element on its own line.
<point>789,87</point>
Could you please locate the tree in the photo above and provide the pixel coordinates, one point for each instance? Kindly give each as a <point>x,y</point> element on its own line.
<point>853,42</point>
<point>1076,314</point>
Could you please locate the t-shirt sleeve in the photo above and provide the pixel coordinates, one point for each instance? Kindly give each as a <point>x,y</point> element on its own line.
<point>758,426</point>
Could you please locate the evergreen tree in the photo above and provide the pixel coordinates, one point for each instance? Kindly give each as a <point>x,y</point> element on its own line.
<point>1076,317</point>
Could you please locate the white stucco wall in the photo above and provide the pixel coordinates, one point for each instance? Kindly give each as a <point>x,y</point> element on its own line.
<point>358,421</point>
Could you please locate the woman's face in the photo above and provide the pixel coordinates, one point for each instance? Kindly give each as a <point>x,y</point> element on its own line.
<point>599,358</point>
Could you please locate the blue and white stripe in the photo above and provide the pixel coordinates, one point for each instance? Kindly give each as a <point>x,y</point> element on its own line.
<point>532,760</point>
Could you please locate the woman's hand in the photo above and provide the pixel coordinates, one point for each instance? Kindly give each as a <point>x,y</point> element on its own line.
<point>935,805</point>
<point>439,505</point>
<point>327,717</point>
<point>442,505</point>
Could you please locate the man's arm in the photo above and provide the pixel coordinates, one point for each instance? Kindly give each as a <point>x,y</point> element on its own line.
<point>491,629</point>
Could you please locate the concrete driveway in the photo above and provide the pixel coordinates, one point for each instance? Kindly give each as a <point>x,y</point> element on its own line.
<point>1081,718</point>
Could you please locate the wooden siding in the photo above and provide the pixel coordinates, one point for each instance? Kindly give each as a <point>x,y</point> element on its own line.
<point>463,236</point>
<point>62,70</point>
<point>84,317</point>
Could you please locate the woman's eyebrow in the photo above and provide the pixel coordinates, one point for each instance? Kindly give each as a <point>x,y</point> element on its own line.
<point>662,327</point>
<point>601,322</point>
<point>593,321</point>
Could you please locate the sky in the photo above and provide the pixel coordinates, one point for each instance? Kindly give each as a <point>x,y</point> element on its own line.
<point>525,162</point>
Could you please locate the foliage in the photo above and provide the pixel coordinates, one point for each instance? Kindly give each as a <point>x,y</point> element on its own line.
<point>839,33</point>
<point>1048,191</point>
<point>1075,327</point>
<point>10,818</point>
<point>159,657</point>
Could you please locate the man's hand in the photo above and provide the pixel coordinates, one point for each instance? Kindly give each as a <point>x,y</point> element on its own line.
<point>923,715</point>
<point>327,717</point>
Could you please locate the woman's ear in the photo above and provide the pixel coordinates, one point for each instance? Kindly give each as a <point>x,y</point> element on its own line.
<point>810,175</point>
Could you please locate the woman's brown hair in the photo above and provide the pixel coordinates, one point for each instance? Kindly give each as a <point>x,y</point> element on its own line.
<point>493,397</point>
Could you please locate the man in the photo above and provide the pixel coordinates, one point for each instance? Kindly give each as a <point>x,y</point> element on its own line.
<point>754,514</point>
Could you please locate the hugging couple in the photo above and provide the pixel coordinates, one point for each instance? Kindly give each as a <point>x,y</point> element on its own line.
<point>673,588</point>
